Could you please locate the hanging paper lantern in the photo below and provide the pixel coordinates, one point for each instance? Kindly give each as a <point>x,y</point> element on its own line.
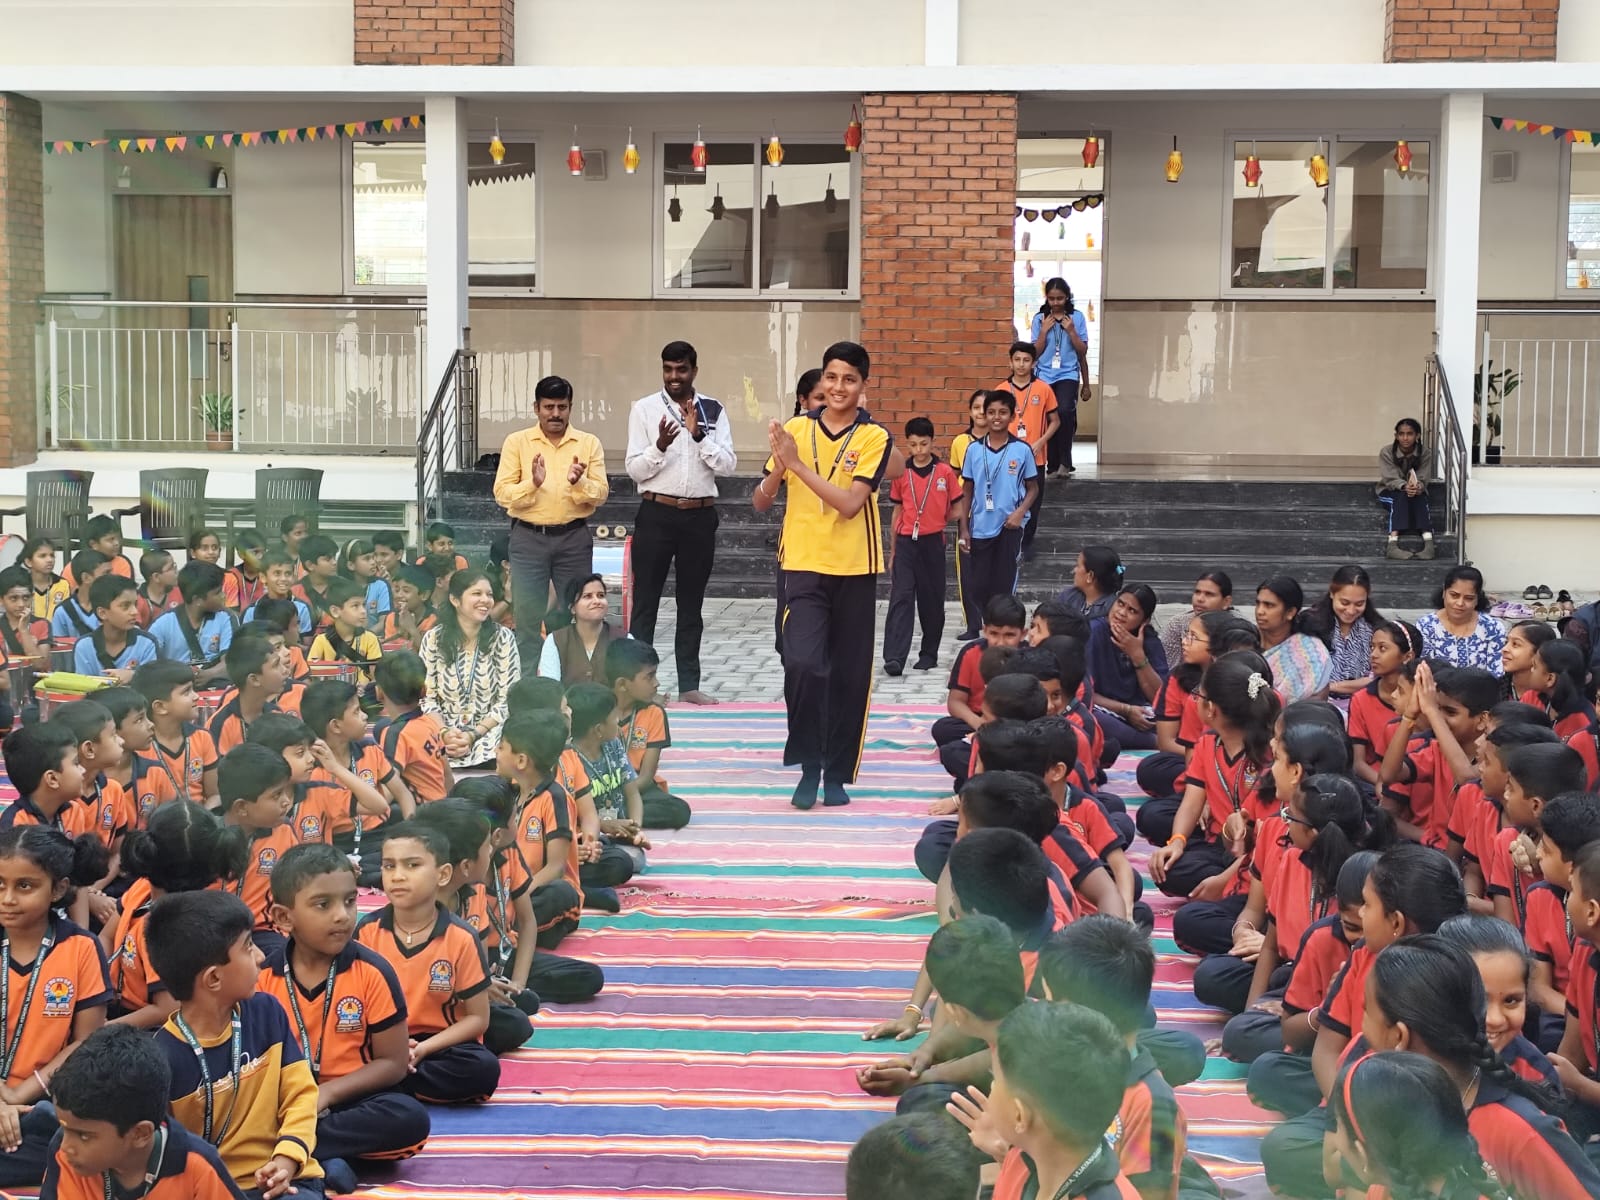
<point>1252,171</point>
<point>1174,163</point>
<point>1091,151</point>
<point>1088,241</point>
<point>1402,157</point>
<point>497,148</point>
<point>675,208</point>
<point>774,151</point>
<point>575,159</point>
<point>1583,279</point>
<point>630,154</point>
<point>697,153</point>
<point>852,132</point>
<point>1318,166</point>
<point>830,198</point>
<point>718,208</point>
<point>1090,313</point>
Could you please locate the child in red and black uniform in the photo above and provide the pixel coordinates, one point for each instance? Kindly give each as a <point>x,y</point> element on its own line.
<point>348,1011</point>
<point>1431,751</point>
<point>1567,824</point>
<point>1534,775</point>
<point>1478,807</point>
<point>1561,677</point>
<point>1578,1064</point>
<point>116,1135</point>
<point>1004,619</point>
<point>1375,709</point>
<point>924,500</point>
<point>1501,957</point>
<point>441,968</point>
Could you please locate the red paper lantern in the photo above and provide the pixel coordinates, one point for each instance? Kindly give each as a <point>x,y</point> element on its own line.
<point>852,132</point>
<point>1402,157</point>
<point>697,153</point>
<point>575,160</point>
<point>1091,151</point>
<point>1252,171</point>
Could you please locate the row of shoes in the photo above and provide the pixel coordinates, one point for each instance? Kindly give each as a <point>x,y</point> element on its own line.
<point>1539,603</point>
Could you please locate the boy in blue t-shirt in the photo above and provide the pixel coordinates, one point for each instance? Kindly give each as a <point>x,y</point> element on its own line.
<point>117,646</point>
<point>1000,483</point>
<point>199,631</point>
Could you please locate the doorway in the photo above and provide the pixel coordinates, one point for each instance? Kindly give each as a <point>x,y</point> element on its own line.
<point>1060,230</point>
<point>174,250</point>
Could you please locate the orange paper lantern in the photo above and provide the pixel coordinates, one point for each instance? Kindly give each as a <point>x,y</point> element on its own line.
<point>1091,151</point>
<point>630,155</point>
<point>1174,163</point>
<point>1318,166</point>
<point>497,148</point>
<point>697,153</point>
<point>774,151</point>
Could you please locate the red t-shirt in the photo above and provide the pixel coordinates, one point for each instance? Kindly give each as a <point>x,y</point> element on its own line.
<point>925,497</point>
<point>1370,723</point>
<point>1425,786</point>
<point>1229,783</point>
<point>964,676</point>
<point>1582,970</point>
<point>1290,903</point>
<point>1547,932</point>
<point>1320,957</point>
<point>1500,874</point>
<point>1345,1006</point>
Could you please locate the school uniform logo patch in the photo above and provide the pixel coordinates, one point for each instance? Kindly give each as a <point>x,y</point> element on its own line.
<point>533,831</point>
<point>130,950</point>
<point>941,485</point>
<point>196,770</point>
<point>367,776</point>
<point>1013,467</point>
<point>638,739</point>
<point>266,860</point>
<point>851,458</point>
<point>348,1015</point>
<point>147,801</point>
<point>58,997</point>
<point>108,819</point>
<point>311,829</point>
<point>441,976</point>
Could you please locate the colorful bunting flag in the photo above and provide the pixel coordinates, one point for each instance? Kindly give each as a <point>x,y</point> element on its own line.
<point>176,143</point>
<point>1585,137</point>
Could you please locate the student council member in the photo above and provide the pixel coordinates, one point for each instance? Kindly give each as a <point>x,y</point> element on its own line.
<point>551,479</point>
<point>831,551</point>
<point>679,441</point>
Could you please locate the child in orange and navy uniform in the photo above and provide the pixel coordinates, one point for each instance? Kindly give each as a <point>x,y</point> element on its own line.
<point>56,985</point>
<point>317,801</point>
<point>256,666</point>
<point>924,500</point>
<point>256,798</point>
<point>266,1127</point>
<point>348,1011</point>
<point>181,752</point>
<point>642,725</point>
<point>441,968</point>
<point>544,827</point>
<point>111,1100</point>
<point>42,764</point>
<point>243,586</point>
<point>371,795</point>
<point>411,739</point>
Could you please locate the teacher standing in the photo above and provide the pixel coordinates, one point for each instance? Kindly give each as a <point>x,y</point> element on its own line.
<point>550,481</point>
<point>679,441</point>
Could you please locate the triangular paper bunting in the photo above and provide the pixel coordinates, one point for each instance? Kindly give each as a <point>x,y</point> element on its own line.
<point>330,131</point>
<point>285,136</point>
<point>147,145</point>
<point>350,128</point>
<point>122,145</point>
<point>174,144</point>
<point>414,121</point>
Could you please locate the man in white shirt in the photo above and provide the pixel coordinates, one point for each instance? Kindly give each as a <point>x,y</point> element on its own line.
<point>678,443</point>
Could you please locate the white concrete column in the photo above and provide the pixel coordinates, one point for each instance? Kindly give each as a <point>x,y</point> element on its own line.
<point>941,32</point>
<point>446,133</point>
<point>1455,277</point>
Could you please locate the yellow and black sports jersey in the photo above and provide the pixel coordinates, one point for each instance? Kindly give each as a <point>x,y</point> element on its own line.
<point>816,536</point>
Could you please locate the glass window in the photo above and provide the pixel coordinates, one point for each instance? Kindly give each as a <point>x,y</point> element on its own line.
<point>389,216</point>
<point>1380,221</point>
<point>708,234</point>
<point>805,223</point>
<point>1583,217</point>
<point>501,225</point>
<point>1280,226</point>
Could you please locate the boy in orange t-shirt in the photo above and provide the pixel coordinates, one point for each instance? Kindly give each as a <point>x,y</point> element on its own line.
<point>642,724</point>
<point>530,749</point>
<point>1035,422</point>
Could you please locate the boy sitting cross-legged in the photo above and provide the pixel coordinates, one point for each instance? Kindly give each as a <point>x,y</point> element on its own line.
<point>256,798</point>
<point>530,747</point>
<point>239,1077</point>
<point>370,794</point>
<point>117,1138</point>
<point>441,969</point>
<point>411,739</point>
<point>642,725</point>
<point>117,646</point>
<point>183,755</point>
<point>348,1012</point>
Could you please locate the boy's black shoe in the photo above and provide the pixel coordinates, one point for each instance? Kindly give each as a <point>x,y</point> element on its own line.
<point>602,899</point>
<point>834,795</point>
<point>805,792</point>
<point>926,663</point>
<point>891,667</point>
<point>967,635</point>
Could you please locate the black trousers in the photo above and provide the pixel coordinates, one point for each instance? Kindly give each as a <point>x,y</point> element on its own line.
<point>916,579</point>
<point>1059,452</point>
<point>1252,1034</point>
<point>25,1166</point>
<point>1031,529</point>
<point>563,980</point>
<point>828,630</point>
<point>537,561</point>
<point>1158,775</point>
<point>384,1125</point>
<point>1205,926</point>
<point>613,868</point>
<point>662,810</point>
<point>994,566</point>
<point>467,1073</point>
<point>1223,981</point>
<point>662,536</point>
<point>1407,513</point>
<point>509,1028</point>
<point>1200,861</point>
<point>964,594</point>
<point>1284,1083</point>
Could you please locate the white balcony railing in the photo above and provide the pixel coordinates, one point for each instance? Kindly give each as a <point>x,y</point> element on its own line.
<point>1536,395</point>
<point>126,375</point>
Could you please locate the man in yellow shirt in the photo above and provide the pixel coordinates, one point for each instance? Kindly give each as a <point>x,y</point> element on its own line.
<point>831,551</point>
<point>551,479</point>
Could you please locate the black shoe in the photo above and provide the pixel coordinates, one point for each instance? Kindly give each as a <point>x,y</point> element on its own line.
<point>805,792</point>
<point>891,667</point>
<point>967,635</point>
<point>834,795</point>
<point>602,899</point>
<point>926,663</point>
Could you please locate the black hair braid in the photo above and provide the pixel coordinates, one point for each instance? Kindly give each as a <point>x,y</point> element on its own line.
<point>1491,1066</point>
<point>1472,1179</point>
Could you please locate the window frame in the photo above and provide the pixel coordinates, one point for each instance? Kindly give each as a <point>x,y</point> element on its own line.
<point>1564,290</point>
<point>474,136</point>
<point>1332,138</point>
<point>659,196</point>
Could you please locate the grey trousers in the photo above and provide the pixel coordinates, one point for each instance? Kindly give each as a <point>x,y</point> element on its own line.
<point>537,560</point>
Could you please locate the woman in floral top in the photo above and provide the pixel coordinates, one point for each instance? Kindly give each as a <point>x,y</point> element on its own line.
<point>471,663</point>
<point>1462,632</point>
<point>1344,619</point>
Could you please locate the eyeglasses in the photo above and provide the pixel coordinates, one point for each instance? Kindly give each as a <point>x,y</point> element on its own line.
<point>1289,818</point>
<point>1199,695</point>
<point>1190,638</point>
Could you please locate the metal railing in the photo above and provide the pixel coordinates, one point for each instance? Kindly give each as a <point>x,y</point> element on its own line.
<point>448,440</point>
<point>341,378</point>
<point>1442,431</point>
<point>1536,394</point>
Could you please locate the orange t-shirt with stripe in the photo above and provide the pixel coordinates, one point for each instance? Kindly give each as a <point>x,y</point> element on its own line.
<point>366,999</point>
<point>371,765</point>
<point>186,764</point>
<point>414,743</point>
<point>436,976</point>
<point>71,978</point>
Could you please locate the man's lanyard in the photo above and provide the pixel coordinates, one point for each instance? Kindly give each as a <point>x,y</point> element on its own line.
<point>911,486</point>
<point>235,1071</point>
<point>15,1041</point>
<point>676,413</point>
<point>300,1022</point>
<point>816,457</point>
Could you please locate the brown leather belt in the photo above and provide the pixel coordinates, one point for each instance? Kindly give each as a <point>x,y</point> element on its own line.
<point>680,502</point>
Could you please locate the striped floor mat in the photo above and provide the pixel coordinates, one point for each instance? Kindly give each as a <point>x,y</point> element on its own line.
<point>717,1064</point>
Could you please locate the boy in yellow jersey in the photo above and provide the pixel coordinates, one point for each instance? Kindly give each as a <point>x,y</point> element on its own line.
<point>831,552</point>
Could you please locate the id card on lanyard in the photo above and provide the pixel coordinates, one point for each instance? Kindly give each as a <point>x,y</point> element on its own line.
<point>911,486</point>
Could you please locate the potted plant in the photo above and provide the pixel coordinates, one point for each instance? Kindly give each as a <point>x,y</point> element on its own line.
<point>1489,391</point>
<point>216,414</point>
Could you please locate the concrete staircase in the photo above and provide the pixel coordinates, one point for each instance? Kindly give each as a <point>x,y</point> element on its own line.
<point>1167,532</point>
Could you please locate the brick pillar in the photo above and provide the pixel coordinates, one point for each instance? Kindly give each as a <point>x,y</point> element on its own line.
<point>21,274</point>
<point>1470,30</point>
<point>475,33</point>
<point>938,190</point>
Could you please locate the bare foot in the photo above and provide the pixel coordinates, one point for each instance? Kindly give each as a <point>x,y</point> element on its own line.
<point>698,697</point>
